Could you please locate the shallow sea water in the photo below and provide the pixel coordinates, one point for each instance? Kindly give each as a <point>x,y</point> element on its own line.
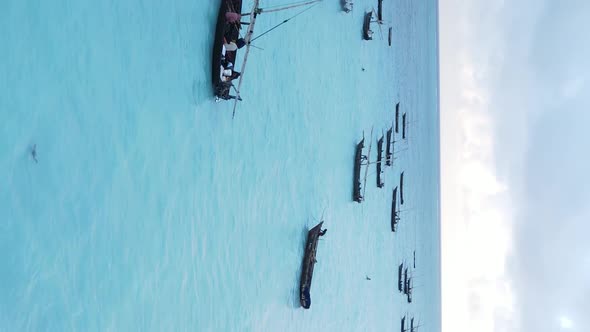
<point>151,209</point>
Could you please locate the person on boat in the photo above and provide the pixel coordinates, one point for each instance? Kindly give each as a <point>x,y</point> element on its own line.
<point>228,75</point>
<point>231,17</point>
<point>323,232</point>
<point>234,45</point>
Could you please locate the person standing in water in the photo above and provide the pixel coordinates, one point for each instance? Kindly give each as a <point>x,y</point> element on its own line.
<point>34,153</point>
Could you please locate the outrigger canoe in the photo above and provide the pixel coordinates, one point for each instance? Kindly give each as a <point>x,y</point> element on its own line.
<point>308,265</point>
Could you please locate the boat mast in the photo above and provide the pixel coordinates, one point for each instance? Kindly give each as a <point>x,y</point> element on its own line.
<point>247,39</point>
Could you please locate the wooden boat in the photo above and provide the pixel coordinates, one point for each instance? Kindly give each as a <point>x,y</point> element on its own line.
<point>388,148</point>
<point>401,188</point>
<point>358,159</point>
<point>367,32</point>
<point>229,22</point>
<point>403,327</point>
<point>379,160</point>
<point>404,126</point>
<point>406,281</point>
<point>397,118</point>
<point>399,277</point>
<point>308,265</point>
<point>389,36</point>
<point>409,291</point>
<point>380,11</point>
<point>224,32</point>
<point>394,212</point>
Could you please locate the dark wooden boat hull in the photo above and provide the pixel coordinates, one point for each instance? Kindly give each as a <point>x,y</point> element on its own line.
<point>399,276</point>
<point>388,153</point>
<point>389,36</point>
<point>358,158</point>
<point>308,265</point>
<point>394,217</point>
<point>404,126</point>
<point>401,188</point>
<point>224,31</point>
<point>379,160</point>
<point>367,26</point>
<point>380,10</point>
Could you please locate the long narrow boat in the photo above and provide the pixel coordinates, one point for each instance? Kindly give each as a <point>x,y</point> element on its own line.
<point>388,152</point>
<point>358,159</point>
<point>389,36</point>
<point>367,32</point>
<point>406,281</point>
<point>380,10</point>
<point>404,126</point>
<point>397,118</point>
<point>399,277</point>
<point>403,327</point>
<point>224,32</point>
<point>394,215</point>
<point>379,161</point>
<point>308,265</point>
<point>401,188</point>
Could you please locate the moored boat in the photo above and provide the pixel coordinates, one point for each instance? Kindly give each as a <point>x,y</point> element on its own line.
<point>389,147</point>
<point>358,159</point>
<point>379,161</point>
<point>367,32</point>
<point>227,31</point>
<point>394,212</point>
<point>389,36</point>
<point>308,264</point>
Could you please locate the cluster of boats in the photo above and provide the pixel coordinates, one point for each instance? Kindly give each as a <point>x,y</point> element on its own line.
<point>369,18</point>
<point>384,158</point>
<point>227,42</point>
<point>411,327</point>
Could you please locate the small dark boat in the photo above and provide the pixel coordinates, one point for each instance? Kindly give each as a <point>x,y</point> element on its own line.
<point>409,292</point>
<point>412,324</point>
<point>367,32</point>
<point>399,277</point>
<point>404,126</point>
<point>394,215</point>
<point>308,265</point>
<point>224,32</point>
<point>358,159</point>
<point>406,281</point>
<point>389,37</point>
<point>414,258</point>
<point>388,152</point>
<point>397,118</point>
<point>380,10</point>
<point>379,160</point>
<point>401,188</point>
<point>403,327</point>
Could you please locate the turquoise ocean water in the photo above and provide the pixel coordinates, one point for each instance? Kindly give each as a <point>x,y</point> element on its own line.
<point>151,209</point>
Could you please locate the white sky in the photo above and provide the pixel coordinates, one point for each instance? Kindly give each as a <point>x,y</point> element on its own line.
<point>515,81</point>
